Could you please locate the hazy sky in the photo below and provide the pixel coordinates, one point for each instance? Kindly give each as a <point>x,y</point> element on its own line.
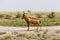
<point>42,5</point>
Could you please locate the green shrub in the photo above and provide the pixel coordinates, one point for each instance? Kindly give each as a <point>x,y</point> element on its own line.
<point>18,15</point>
<point>2,33</point>
<point>7,17</point>
<point>7,37</point>
<point>1,15</point>
<point>52,15</point>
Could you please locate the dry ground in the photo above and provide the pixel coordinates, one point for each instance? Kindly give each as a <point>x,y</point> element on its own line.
<point>21,33</point>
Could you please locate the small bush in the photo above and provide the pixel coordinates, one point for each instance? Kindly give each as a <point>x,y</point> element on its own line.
<point>1,15</point>
<point>18,15</point>
<point>52,15</point>
<point>2,33</point>
<point>7,17</point>
<point>7,37</point>
<point>38,15</point>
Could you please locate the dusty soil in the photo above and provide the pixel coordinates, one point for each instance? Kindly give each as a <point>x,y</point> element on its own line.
<point>21,33</point>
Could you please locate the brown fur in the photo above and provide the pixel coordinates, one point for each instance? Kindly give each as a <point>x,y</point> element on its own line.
<point>30,20</point>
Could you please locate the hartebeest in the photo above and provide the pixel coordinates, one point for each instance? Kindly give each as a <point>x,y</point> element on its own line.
<point>30,20</point>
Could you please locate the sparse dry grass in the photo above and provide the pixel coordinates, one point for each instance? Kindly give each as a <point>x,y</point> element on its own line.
<point>33,36</point>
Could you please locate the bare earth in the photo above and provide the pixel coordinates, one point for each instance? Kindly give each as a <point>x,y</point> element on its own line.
<point>19,33</point>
